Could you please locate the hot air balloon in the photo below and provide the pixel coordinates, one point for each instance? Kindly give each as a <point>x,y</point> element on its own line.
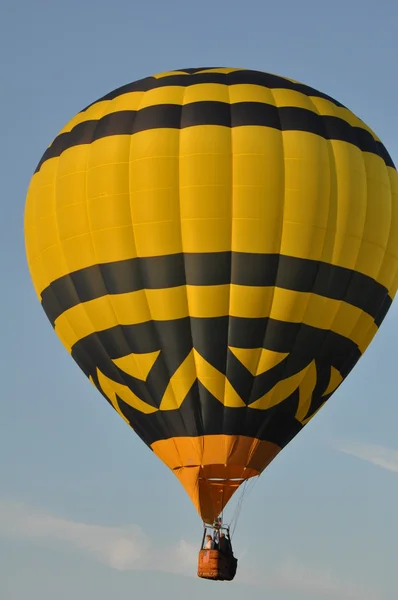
<point>216,248</point>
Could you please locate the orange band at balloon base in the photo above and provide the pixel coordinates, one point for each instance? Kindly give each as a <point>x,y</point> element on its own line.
<point>211,468</point>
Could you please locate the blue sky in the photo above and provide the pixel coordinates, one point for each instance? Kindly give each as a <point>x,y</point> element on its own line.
<point>86,511</point>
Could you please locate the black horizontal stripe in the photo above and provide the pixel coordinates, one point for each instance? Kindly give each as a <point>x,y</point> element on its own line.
<point>173,116</point>
<point>193,77</point>
<point>287,272</point>
<point>385,307</point>
<point>193,71</point>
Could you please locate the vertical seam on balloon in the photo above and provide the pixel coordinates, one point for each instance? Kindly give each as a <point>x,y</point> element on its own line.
<point>389,234</point>
<point>153,327</point>
<point>197,413</point>
<point>40,254</point>
<point>278,265</point>
<point>332,159</point>
<point>393,195</point>
<point>352,271</point>
<point>59,237</point>
<point>391,213</point>
<point>263,423</point>
<point>320,261</point>
<point>390,231</point>
<point>119,374</point>
<point>382,262</point>
<point>153,331</point>
<point>341,302</point>
<point>231,260</point>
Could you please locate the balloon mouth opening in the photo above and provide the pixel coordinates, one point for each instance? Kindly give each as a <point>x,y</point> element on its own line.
<point>223,479</point>
<point>217,474</point>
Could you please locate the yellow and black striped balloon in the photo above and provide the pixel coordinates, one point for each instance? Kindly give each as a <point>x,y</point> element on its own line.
<point>216,248</point>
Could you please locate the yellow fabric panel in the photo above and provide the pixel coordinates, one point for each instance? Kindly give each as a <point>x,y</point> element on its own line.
<point>306,389</point>
<point>258,173</point>
<point>137,365</point>
<point>282,390</point>
<point>74,162</point>
<point>40,226</point>
<point>166,74</point>
<point>258,360</point>
<point>377,224</point>
<point>180,383</point>
<point>196,367</point>
<point>216,383</point>
<point>205,179</point>
<point>112,388</point>
<point>251,93</point>
<point>388,273</point>
<point>392,244</point>
<point>307,179</point>
<point>154,192</point>
<point>347,205</point>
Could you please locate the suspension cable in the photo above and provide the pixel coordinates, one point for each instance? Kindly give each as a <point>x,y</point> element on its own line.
<point>247,488</point>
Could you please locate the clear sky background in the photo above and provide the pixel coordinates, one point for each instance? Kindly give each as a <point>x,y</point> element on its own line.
<point>86,510</point>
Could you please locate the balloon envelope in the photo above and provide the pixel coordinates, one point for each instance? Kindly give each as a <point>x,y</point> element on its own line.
<point>216,248</point>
